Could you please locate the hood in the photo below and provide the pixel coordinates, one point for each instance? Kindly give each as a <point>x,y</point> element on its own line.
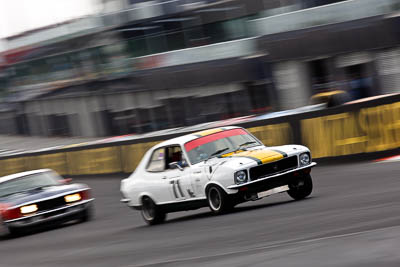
<point>248,158</point>
<point>230,161</point>
<point>261,156</point>
<point>36,195</point>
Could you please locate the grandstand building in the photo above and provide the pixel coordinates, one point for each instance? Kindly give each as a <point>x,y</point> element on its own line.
<point>141,66</point>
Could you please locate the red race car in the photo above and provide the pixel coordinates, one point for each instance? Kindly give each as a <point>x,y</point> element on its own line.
<point>41,198</point>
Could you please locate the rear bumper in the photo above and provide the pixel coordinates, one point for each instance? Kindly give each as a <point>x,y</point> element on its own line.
<point>59,215</point>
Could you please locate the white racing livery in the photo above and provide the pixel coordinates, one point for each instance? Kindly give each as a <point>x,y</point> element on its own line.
<point>219,168</point>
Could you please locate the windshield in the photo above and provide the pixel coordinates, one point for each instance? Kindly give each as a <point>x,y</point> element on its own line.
<point>29,182</point>
<point>218,144</point>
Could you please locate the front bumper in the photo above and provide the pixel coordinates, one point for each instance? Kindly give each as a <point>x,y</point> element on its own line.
<point>58,215</point>
<point>272,181</point>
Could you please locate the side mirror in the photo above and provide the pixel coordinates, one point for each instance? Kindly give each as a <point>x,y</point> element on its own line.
<point>175,165</point>
<point>66,180</point>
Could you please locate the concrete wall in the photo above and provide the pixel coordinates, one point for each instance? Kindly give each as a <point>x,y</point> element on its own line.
<point>292,83</point>
<point>7,123</point>
<point>84,113</point>
<point>292,80</point>
<point>388,64</point>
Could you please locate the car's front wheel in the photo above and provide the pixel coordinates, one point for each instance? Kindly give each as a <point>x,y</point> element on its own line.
<point>87,214</point>
<point>218,201</point>
<point>151,213</point>
<point>3,229</point>
<point>301,187</point>
<point>8,231</point>
<point>14,232</point>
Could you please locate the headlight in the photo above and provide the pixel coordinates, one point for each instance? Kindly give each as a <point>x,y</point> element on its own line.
<point>72,198</point>
<point>28,209</point>
<point>240,177</point>
<point>304,159</point>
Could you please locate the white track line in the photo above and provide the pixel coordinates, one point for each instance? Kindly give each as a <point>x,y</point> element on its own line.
<point>286,243</point>
<point>389,159</point>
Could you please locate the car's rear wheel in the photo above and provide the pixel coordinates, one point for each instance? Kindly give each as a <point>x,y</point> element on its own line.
<point>301,187</point>
<point>151,213</point>
<point>218,201</point>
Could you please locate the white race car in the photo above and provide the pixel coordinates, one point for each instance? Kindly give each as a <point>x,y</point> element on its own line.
<point>219,168</point>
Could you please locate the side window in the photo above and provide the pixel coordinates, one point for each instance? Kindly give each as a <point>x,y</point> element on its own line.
<point>157,161</point>
<point>174,154</point>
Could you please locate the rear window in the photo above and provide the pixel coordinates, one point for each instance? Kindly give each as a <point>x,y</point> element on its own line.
<point>157,161</point>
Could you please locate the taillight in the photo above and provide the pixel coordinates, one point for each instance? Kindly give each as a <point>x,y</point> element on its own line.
<point>3,208</point>
<point>11,213</point>
<point>85,194</point>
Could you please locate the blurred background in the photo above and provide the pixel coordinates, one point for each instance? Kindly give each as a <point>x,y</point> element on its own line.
<point>115,67</point>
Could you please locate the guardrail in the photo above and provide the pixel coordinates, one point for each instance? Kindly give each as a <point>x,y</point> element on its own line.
<point>333,13</point>
<point>352,129</point>
<point>231,49</point>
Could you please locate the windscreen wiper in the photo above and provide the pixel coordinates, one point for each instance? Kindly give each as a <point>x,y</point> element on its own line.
<point>35,188</point>
<point>217,152</point>
<point>245,144</point>
<point>40,187</point>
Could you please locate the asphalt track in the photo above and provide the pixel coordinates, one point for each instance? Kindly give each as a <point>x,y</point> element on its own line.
<point>351,219</point>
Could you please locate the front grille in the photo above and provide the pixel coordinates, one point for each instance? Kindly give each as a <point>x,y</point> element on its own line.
<point>51,204</point>
<point>273,168</point>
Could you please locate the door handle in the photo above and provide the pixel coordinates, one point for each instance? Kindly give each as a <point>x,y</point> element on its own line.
<point>196,172</point>
<point>197,179</point>
<point>164,177</point>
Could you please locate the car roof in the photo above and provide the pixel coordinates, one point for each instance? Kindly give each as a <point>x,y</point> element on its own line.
<point>181,140</point>
<point>21,174</point>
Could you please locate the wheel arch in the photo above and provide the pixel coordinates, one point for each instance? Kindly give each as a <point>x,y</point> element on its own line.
<point>215,183</point>
<point>146,194</point>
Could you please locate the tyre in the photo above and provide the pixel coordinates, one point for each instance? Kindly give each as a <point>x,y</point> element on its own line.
<point>218,201</point>
<point>8,231</point>
<point>87,214</point>
<point>301,188</point>
<point>15,232</point>
<point>151,213</point>
<point>3,229</point>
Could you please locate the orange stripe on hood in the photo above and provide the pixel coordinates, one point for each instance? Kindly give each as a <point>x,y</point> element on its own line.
<point>262,155</point>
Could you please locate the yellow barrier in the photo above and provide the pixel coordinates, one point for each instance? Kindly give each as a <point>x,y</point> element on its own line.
<point>132,154</point>
<point>12,165</point>
<point>57,162</point>
<point>94,161</point>
<point>273,135</point>
<point>368,130</point>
